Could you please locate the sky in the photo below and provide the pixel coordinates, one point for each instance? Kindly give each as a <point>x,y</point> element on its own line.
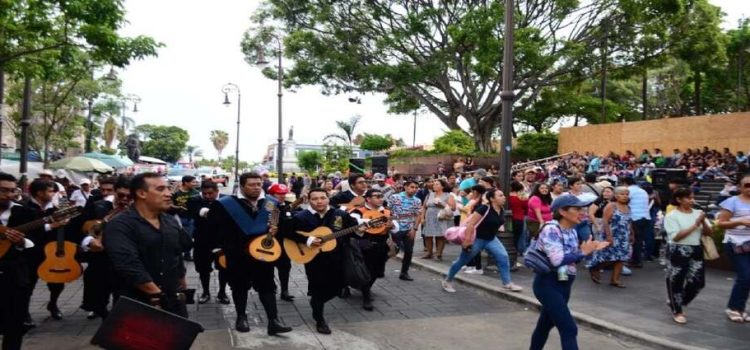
<point>182,86</point>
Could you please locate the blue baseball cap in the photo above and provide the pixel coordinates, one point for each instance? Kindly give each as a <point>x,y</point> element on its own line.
<point>568,200</point>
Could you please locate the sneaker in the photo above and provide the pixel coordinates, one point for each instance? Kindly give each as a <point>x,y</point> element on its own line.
<point>512,287</point>
<point>448,287</point>
<point>626,271</point>
<point>469,269</point>
<point>476,272</point>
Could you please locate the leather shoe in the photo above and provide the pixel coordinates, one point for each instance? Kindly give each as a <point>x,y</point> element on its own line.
<point>345,293</point>
<point>367,304</point>
<point>28,322</point>
<point>275,326</point>
<point>242,325</point>
<point>204,298</point>
<point>223,299</point>
<point>54,312</point>
<point>405,277</point>
<point>286,297</point>
<point>91,315</point>
<point>322,327</point>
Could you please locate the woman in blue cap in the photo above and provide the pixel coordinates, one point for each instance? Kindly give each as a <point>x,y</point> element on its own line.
<point>558,240</point>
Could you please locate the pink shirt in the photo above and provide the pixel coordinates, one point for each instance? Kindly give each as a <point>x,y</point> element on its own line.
<point>536,203</point>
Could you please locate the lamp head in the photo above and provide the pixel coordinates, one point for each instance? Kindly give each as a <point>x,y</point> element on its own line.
<point>261,61</point>
<point>226,99</point>
<point>112,75</point>
<point>135,107</point>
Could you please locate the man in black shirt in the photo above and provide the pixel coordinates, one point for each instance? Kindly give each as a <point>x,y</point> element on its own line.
<point>283,264</point>
<point>143,244</point>
<point>357,188</point>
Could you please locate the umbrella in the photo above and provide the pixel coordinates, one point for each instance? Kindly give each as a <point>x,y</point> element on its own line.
<point>81,164</point>
<point>145,159</point>
<point>113,161</point>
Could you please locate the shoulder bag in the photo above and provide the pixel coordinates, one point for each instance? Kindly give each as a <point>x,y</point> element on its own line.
<point>536,259</point>
<point>457,234</point>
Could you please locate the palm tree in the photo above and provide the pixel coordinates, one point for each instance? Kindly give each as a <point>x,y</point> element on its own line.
<point>219,138</point>
<point>193,151</point>
<point>347,129</point>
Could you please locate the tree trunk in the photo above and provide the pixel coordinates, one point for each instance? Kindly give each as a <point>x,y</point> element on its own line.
<point>644,93</point>
<point>698,106</point>
<point>483,138</point>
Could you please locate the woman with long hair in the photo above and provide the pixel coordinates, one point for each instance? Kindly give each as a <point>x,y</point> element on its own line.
<point>686,274</point>
<point>481,234</point>
<point>539,209</point>
<point>439,207</point>
<point>734,217</point>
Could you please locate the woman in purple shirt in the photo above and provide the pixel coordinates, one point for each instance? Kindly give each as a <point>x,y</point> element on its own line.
<point>558,240</point>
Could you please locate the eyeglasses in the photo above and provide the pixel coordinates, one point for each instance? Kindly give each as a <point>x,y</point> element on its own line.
<point>5,190</point>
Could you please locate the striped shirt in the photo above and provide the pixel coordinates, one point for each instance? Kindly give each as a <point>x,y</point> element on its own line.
<point>740,210</point>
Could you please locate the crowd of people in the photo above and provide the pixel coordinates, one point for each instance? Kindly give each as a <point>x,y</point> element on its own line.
<point>143,232</point>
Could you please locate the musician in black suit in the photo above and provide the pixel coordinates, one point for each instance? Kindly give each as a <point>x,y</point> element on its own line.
<point>244,270</point>
<point>357,188</point>
<point>205,241</point>
<point>14,274</point>
<point>283,264</point>
<point>325,273</point>
<point>98,279</point>
<point>41,194</point>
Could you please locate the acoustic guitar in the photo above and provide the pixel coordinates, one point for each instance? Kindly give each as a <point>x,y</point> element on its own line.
<point>302,254</point>
<point>354,203</point>
<point>96,227</point>
<point>63,214</point>
<point>60,265</point>
<point>266,247</point>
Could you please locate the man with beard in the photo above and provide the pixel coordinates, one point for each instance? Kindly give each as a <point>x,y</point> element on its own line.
<point>238,220</point>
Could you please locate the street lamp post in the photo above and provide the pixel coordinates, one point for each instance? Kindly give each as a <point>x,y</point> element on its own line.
<point>414,135</point>
<point>507,96</point>
<point>261,61</point>
<point>25,122</point>
<point>89,127</point>
<point>226,89</point>
<point>2,116</point>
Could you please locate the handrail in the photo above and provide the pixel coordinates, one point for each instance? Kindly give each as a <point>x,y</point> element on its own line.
<point>526,164</point>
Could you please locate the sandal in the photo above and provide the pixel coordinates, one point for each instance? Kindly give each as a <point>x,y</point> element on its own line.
<point>735,316</point>
<point>428,256</point>
<point>679,318</point>
<point>595,276</point>
<point>439,258</point>
<point>617,284</point>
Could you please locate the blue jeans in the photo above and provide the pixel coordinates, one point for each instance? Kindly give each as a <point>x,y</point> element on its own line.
<point>554,296</point>
<point>494,248</point>
<point>644,232</point>
<point>584,231</point>
<point>741,289</point>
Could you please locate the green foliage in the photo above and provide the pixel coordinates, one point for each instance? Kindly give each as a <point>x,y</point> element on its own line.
<point>164,142</point>
<point>310,160</point>
<point>107,150</point>
<point>336,158</point>
<point>373,142</point>
<point>346,130</point>
<point>535,146</point>
<point>455,142</point>
<point>219,138</point>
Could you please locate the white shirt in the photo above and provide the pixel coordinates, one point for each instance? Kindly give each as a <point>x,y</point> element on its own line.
<point>5,216</point>
<point>79,198</point>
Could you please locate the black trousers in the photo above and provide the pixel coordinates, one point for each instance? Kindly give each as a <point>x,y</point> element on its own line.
<point>97,284</point>
<point>686,274</point>
<point>284,266</point>
<point>13,307</point>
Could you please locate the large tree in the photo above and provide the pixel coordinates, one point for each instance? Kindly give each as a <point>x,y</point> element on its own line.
<point>164,142</point>
<point>219,138</point>
<point>445,56</point>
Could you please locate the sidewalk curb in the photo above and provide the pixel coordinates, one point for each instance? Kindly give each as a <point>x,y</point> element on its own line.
<point>581,318</point>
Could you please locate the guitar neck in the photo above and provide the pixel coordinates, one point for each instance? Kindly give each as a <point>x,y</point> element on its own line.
<point>341,233</point>
<point>32,225</point>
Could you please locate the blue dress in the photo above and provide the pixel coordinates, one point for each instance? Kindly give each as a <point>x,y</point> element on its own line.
<point>619,225</point>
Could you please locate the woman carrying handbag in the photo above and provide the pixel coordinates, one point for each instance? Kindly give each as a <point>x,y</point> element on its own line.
<point>481,234</point>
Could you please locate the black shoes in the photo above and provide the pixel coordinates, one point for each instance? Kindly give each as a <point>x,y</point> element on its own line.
<point>286,297</point>
<point>54,312</point>
<point>28,323</point>
<point>187,257</point>
<point>242,325</point>
<point>405,277</point>
<point>223,299</point>
<point>205,297</point>
<point>275,326</point>
<point>90,315</point>
<point>322,327</point>
<point>345,293</point>
<point>367,304</point>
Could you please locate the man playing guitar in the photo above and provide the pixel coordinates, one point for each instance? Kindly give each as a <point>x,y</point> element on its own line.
<point>283,264</point>
<point>98,282</point>
<point>349,199</point>
<point>373,241</point>
<point>238,220</point>
<point>325,273</point>
<point>14,282</point>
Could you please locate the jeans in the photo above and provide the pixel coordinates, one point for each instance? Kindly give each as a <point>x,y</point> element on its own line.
<point>741,288</point>
<point>644,232</point>
<point>406,245</point>
<point>554,296</point>
<point>519,238</point>
<point>494,248</point>
<point>584,231</point>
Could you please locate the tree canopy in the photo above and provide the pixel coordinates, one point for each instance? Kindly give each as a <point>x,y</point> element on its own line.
<point>167,143</point>
<point>372,142</point>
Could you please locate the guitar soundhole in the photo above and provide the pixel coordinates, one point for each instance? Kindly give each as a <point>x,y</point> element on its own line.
<point>266,243</point>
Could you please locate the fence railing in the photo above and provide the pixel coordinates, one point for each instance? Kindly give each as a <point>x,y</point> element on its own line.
<point>520,166</point>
